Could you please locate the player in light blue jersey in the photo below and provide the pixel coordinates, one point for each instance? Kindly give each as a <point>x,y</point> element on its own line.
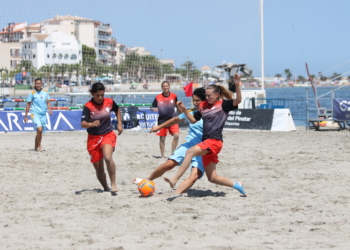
<point>38,102</point>
<point>194,136</point>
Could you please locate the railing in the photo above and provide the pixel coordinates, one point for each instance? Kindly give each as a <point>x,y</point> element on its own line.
<point>298,108</point>
<point>104,37</point>
<point>103,46</point>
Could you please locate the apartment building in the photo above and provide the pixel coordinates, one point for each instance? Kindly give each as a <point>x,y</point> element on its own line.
<point>54,48</point>
<point>94,34</point>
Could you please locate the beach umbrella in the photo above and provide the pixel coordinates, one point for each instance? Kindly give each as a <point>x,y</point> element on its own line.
<point>97,79</point>
<point>106,78</point>
<point>134,83</point>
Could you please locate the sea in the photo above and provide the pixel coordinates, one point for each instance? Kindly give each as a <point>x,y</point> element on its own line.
<point>300,100</point>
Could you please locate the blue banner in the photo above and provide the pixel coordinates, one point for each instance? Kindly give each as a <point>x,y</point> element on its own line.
<point>341,110</point>
<point>61,120</point>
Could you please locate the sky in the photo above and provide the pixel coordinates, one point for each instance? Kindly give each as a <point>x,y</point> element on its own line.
<point>210,32</point>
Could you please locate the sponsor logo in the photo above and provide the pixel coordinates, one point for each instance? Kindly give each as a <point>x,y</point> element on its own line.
<point>107,109</point>
<point>171,101</point>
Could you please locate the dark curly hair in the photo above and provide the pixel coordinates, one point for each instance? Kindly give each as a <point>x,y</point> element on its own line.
<point>200,92</point>
<point>97,86</point>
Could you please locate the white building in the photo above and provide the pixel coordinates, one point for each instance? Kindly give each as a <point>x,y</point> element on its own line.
<point>91,33</point>
<point>55,48</point>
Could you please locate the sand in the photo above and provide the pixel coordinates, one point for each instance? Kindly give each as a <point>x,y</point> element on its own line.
<point>298,186</point>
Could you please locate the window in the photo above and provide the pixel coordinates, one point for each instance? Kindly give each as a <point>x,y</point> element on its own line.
<point>33,55</point>
<point>25,46</point>
<point>25,56</point>
<point>54,56</point>
<point>79,52</point>
<point>66,57</point>
<point>29,46</point>
<point>47,45</point>
<point>48,56</point>
<point>73,57</point>
<point>60,56</point>
<point>72,33</point>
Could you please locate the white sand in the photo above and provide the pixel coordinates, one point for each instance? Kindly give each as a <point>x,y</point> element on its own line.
<point>298,186</point>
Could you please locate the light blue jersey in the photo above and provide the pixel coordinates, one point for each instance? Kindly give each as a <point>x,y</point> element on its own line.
<point>39,101</point>
<point>194,136</point>
<point>195,131</point>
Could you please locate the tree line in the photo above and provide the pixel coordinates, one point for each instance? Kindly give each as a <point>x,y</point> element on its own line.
<point>134,66</point>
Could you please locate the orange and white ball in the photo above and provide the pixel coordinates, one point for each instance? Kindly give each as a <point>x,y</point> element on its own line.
<point>146,188</point>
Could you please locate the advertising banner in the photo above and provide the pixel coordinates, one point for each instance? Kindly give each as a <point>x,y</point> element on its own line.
<point>61,120</point>
<point>260,119</point>
<point>341,109</point>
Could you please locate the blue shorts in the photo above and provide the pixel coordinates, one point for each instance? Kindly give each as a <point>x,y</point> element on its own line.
<point>180,153</point>
<point>39,121</point>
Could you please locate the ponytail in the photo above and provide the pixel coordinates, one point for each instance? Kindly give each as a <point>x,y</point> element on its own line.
<point>223,92</point>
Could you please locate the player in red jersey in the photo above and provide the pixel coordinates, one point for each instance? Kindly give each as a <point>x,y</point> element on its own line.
<point>165,104</point>
<point>96,118</point>
<point>214,112</point>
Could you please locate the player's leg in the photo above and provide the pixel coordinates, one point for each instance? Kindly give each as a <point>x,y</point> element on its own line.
<point>38,138</point>
<point>108,150</point>
<point>100,173</point>
<point>174,131</point>
<point>192,152</point>
<point>174,142</point>
<point>162,145</point>
<point>212,176</point>
<point>159,171</point>
<point>186,184</point>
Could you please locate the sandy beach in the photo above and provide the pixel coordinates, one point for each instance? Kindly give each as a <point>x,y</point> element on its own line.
<point>297,182</point>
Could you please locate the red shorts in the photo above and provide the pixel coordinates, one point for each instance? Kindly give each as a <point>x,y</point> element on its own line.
<point>214,146</point>
<point>95,143</point>
<point>172,130</point>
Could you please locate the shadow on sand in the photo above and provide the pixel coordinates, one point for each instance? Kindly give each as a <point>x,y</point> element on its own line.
<point>199,193</point>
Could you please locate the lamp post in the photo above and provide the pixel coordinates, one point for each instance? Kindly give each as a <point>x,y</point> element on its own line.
<point>161,64</point>
<point>187,69</point>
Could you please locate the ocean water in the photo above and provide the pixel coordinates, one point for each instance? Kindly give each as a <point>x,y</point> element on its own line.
<point>293,98</point>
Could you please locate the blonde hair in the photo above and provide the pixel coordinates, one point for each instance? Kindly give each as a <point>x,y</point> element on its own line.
<point>223,92</point>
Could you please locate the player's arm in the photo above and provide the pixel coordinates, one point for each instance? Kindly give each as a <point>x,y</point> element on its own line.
<point>85,120</point>
<point>238,91</point>
<point>188,115</point>
<point>168,123</point>
<point>154,105</point>
<point>49,107</point>
<point>116,110</point>
<point>27,110</point>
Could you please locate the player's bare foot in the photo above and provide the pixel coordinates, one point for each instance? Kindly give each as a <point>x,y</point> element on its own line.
<point>136,181</point>
<point>171,182</point>
<point>114,189</point>
<point>106,189</point>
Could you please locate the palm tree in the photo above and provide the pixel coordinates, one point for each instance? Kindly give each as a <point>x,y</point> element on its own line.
<point>288,74</point>
<point>278,76</point>
<point>79,69</point>
<point>47,70</point>
<point>63,69</point>
<point>70,70</point>
<point>25,65</point>
<point>301,78</point>
<point>188,65</point>
<point>56,71</point>
<point>13,73</point>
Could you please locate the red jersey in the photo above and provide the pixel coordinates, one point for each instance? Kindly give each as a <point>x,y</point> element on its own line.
<point>214,117</point>
<point>166,106</point>
<point>102,112</point>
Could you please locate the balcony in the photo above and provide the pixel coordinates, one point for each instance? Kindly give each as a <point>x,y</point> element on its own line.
<point>16,55</point>
<point>102,56</point>
<point>102,27</point>
<point>104,46</point>
<point>104,37</point>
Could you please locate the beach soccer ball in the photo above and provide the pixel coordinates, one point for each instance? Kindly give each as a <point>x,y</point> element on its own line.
<point>146,188</point>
